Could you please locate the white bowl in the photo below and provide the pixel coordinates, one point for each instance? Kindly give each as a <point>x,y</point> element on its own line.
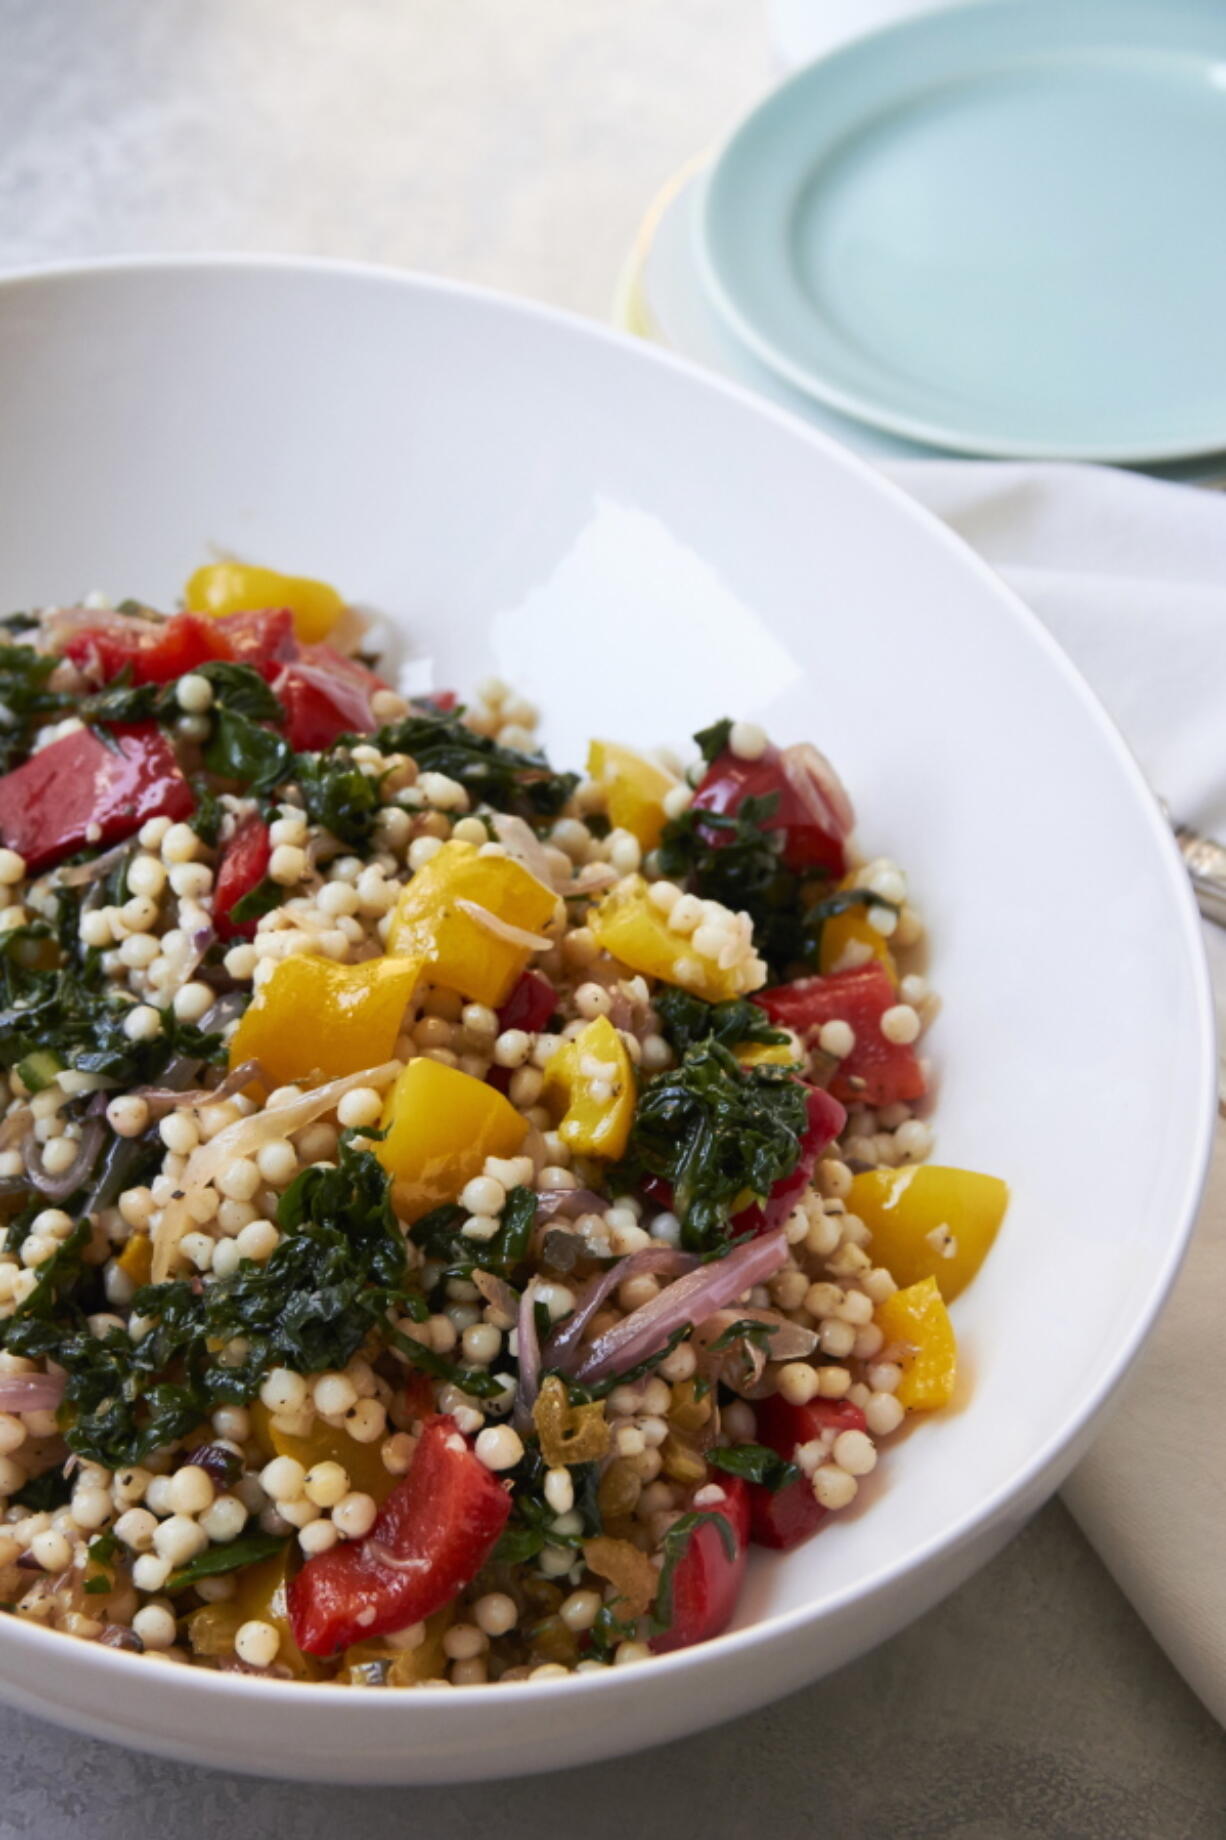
<point>642,549</point>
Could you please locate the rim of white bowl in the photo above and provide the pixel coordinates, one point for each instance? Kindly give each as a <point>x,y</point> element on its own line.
<point>759,1635</point>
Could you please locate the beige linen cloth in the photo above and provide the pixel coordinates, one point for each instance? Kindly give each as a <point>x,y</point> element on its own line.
<point>1129,574</point>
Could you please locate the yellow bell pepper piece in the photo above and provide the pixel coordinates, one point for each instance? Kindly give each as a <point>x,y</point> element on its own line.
<point>929,1222</point>
<point>260,1596</point>
<point>628,926</point>
<point>325,1443</point>
<point>635,789</point>
<point>591,1085</point>
<point>441,1125</point>
<point>918,1318</point>
<point>315,1017</point>
<point>408,1666</point>
<point>464,954</point>
<point>238,587</point>
<point>136,1259</point>
<point>765,1054</point>
<point>853,926</point>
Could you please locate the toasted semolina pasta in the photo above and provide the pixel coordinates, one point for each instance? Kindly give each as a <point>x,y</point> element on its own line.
<point>449,1207</point>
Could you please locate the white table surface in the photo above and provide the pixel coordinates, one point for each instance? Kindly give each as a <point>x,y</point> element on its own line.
<point>515,143</point>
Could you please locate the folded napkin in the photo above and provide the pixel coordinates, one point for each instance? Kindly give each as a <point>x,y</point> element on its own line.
<point>1129,574</point>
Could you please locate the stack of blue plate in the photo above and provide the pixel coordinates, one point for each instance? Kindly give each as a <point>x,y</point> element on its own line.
<point>997,230</point>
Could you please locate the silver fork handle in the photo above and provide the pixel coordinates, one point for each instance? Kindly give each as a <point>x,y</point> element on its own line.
<point>1206,860</point>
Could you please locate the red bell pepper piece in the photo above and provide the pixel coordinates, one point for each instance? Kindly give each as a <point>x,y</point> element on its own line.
<point>263,640</point>
<point>325,695</point>
<point>729,781</point>
<point>243,867</point>
<point>707,1578</point>
<point>79,792</point>
<point>155,656</point>
<point>877,1071</point>
<point>435,1531</point>
<point>782,1518</point>
<point>530,1004</point>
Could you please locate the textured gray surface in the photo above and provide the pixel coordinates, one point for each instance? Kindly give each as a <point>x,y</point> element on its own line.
<point>515,143</point>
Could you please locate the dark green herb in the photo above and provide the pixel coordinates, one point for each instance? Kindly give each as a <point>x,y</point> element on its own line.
<point>338,795</point>
<point>120,701</point>
<point>240,750</point>
<point>714,1131</point>
<point>675,1546</point>
<point>25,698</point>
<point>840,902</point>
<point>713,740</point>
<point>745,1329</point>
<point>240,689</point>
<point>503,778</point>
<point>75,1012</point>
<point>517,1544</point>
<point>208,815</point>
<point>247,1549</point>
<point>328,1285</point>
<point>116,1410</point>
<point>100,1552</point>
<point>533,1522</point>
<point>754,1463</point>
<point>607,1632</point>
<point>687,1020</point>
<point>258,901</point>
<point>44,1494</point>
<point>439,1236</point>
<point>475,1381</point>
<point>736,860</point>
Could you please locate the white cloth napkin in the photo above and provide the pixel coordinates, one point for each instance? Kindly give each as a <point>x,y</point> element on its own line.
<point>1130,575</point>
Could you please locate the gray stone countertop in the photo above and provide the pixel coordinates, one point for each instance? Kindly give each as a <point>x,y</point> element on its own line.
<point>515,143</point>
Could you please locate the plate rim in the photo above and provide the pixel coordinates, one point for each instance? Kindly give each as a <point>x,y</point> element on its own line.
<point>865,409</point>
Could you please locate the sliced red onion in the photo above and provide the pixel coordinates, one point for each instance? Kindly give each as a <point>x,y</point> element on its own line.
<point>521,842</point>
<point>788,1340</point>
<point>497,1293</point>
<point>58,1188</point>
<point>60,623</point>
<point>819,788</point>
<point>528,1354</point>
<point>196,945</point>
<point>17,1125</point>
<point>592,878</point>
<point>568,1203</point>
<point>661,1261</point>
<point>225,1010</point>
<point>690,1300</point>
<point>78,874</point>
<point>30,1392</point>
<point>350,697</point>
<point>163,1099</point>
<point>117,1635</point>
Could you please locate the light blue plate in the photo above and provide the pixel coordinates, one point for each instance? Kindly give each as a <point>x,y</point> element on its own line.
<point>1000,229</point>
